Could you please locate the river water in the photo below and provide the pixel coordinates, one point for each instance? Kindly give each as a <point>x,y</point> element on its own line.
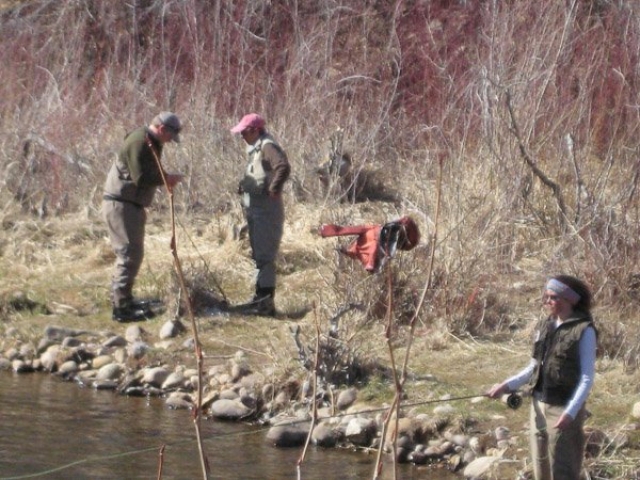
<point>50,429</point>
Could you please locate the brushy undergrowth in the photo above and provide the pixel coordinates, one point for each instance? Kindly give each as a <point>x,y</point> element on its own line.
<point>325,291</point>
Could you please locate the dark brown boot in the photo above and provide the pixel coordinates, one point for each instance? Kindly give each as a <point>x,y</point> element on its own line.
<point>262,303</point>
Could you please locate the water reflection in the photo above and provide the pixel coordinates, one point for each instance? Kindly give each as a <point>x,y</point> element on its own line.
<point>56,430</point>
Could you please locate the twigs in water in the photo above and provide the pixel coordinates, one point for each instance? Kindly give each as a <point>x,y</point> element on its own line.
<point>398,396</point>
<point>197,411</point>
<point>395,406</point>
<point>314,406</point>
<point>160,461</point>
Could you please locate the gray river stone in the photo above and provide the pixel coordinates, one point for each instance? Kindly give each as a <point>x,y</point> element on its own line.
<point>178,401</point>
<point>480,467</point>
<point>101,360</point>
<point>174,380</point>
<point>155,376</point>
<point>289,434</point>
<point>115,341</point>
<point>225,409</point>
<point>239,370</point>
<point>361,431</point>
<point>346,398</point>
<point>171,329</point>
<point>68,367</point>
<point>27,351</point>
<point>71,342</point>
<point>20,366</point>
<point>137,349</point>
<point>60,333</point>
<point>134,333</point>
<point>324,435</point>
<point>49,359</point>
<point>229,394</point>
<point>112,371</point>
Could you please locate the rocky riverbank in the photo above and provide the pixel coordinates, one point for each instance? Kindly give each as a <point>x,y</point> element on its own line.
<point>141,363</point>
<point>55,319</point>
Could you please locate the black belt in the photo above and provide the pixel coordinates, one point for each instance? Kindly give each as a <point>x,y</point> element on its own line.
<point>117,199</point>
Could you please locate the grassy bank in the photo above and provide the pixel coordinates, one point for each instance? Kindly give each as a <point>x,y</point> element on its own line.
<point>62,268</point>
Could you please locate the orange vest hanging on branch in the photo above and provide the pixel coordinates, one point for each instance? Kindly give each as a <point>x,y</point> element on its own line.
<point>376,243</point>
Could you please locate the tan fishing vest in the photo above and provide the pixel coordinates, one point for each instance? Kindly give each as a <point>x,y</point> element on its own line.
<point>256,180</point>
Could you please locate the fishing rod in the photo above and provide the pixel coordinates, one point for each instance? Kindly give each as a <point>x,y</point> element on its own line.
<point>512,400</point>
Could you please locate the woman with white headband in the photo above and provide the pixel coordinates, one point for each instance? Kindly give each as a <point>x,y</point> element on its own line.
<point>559,377</point>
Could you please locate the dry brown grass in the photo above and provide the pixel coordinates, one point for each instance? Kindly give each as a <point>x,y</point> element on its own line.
<point>67,273</point>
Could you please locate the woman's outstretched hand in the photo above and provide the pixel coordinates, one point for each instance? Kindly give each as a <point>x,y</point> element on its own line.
<point>497,390</point>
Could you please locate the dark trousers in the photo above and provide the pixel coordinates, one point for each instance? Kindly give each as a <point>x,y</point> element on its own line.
<point>265,219</point>
<point>126,225</point>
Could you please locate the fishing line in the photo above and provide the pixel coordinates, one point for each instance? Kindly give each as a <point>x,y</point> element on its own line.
<point>128,453</point>
<point>512,400</point>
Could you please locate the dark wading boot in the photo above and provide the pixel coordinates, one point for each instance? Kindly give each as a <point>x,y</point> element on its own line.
<point>147,303</point>
<point>261,305</point>
<point>131,313</point>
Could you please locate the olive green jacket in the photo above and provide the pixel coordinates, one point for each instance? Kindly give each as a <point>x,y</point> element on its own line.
<point>135,174</point>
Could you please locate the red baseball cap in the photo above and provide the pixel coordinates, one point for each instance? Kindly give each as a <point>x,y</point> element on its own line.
<point>251,120</point>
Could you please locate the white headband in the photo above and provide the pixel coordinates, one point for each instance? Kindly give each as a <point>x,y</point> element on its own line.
<point>565,291</point>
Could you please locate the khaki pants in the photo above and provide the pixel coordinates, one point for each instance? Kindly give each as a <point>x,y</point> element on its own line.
<point>126,224</point>
<point>556,454</point>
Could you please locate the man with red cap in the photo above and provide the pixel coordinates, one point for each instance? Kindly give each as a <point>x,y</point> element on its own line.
<point>261,189</point>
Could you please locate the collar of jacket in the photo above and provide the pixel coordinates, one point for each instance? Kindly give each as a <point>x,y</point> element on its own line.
<point>576,317</point>
<point>257,146</point>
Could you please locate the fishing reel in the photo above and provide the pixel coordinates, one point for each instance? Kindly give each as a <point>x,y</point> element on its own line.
<point>513,400</point>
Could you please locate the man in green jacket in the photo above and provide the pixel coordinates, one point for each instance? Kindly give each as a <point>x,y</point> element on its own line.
<point>130,187</point>
<point>261,189</point>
